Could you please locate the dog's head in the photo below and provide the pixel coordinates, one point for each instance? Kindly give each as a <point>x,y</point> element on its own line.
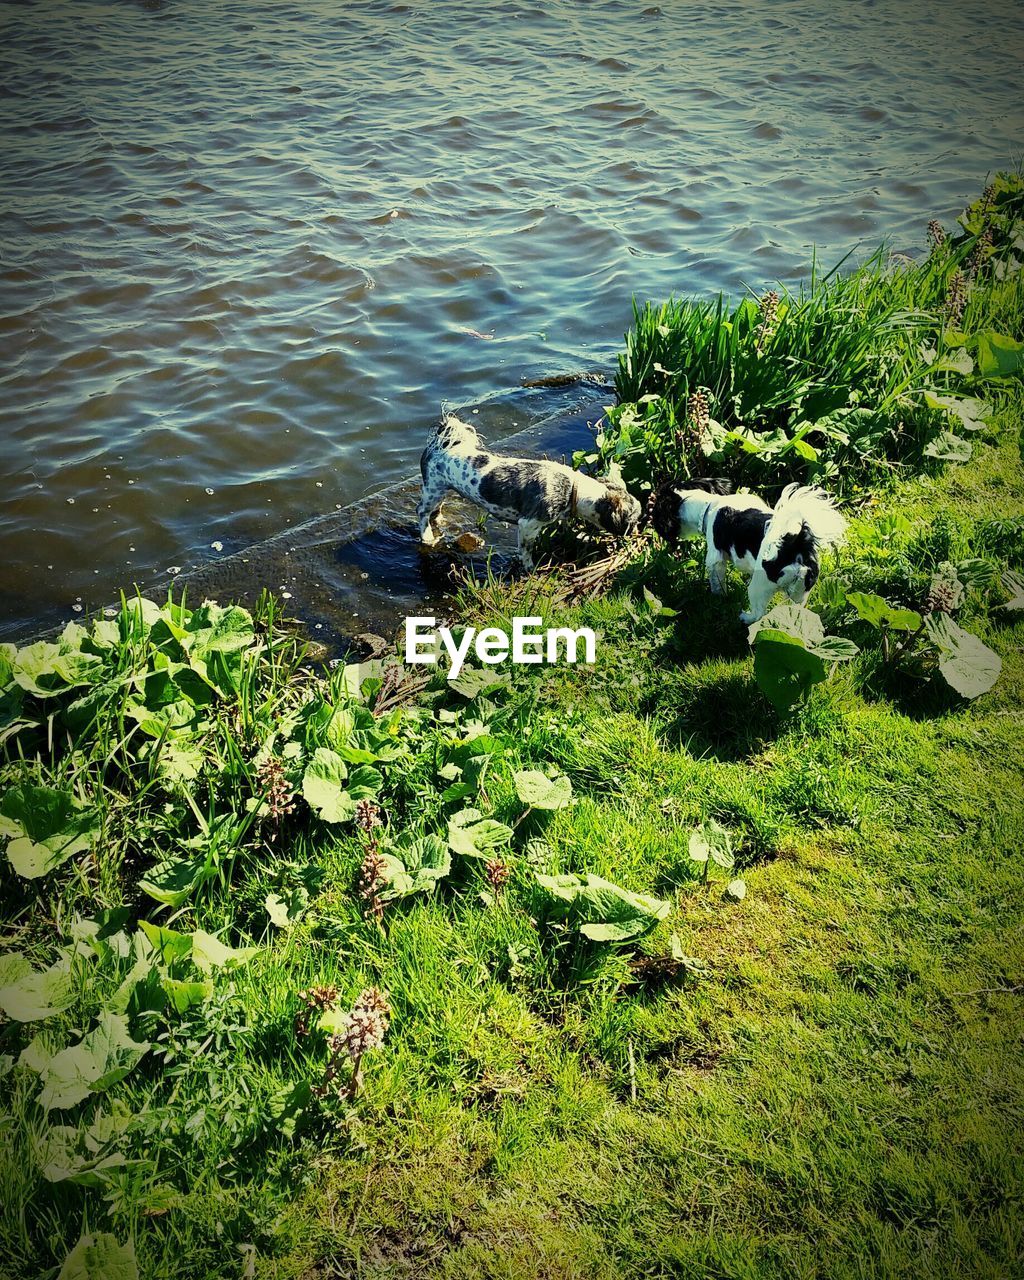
<point>805,519</point>
<point>452,432</point>
<point>791,558</point>
<point>617,512</point>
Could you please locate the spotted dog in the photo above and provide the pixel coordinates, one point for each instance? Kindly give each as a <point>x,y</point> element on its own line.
<point>528,492</point>
<point>777,548</point>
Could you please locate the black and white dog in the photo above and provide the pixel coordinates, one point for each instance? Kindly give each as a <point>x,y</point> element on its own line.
<point>529,492</point>
<point>777,548</point>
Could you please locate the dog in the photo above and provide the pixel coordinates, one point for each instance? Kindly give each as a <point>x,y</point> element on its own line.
<point>777,548</point>
<point>528,492</point>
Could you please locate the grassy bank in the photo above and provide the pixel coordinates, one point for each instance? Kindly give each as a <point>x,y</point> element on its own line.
<point>780,1035</point>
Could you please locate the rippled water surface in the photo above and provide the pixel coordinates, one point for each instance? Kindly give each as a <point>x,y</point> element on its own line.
<point>245,250</point>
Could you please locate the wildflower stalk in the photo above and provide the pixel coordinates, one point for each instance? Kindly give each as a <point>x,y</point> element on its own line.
<point>372,870</point>
<point>956,297</point>
<point>276,791</point>
<point>768,306</point>
<point>364,1029</point>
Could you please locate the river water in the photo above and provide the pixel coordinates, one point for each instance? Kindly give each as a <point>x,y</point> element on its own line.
<point>246,250</point>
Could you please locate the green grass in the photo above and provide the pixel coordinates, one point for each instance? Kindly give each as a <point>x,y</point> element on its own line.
<point>834,382</point>
<point>829,1083</point>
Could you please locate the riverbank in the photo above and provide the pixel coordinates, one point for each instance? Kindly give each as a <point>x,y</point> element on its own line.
<point>780,1035</point>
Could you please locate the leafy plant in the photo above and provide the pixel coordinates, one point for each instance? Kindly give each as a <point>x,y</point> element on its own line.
<point>601,910</point>
<point>474,836</point>
<point>966,664</point>
<point>100,1257</point>
<point>45,827</point>
<point>710,845</point>
<point>30,995</point>
<point>100,1059</point>
<point>791,653</point>
<point>415,866</point>
<point>539,791</point>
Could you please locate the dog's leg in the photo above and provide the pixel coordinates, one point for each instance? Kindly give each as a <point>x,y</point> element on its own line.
<point>759,595</point>
<point>528,531</point>
<point>428,510</point>
<point>714,563</point>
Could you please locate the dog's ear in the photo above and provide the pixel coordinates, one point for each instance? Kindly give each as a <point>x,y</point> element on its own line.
<point>664,510</point>
<point>617,511</point>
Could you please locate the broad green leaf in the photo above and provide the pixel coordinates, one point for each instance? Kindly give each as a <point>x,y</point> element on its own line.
<point>978,573</point>
<point>712,841</point>
<point>357,676</point>
<point>179,762</point>
<point>209,953</point>
<point>471,682</point>
<point>47,668</point>
<point>415,866</point>
<point>173,881</point>
<point>215,640</point>
<point>364,783</point>
<point>947,447</point>
<point>100,1257</point>
<point>48,826</point>
<point>284,910</point>
<point>7,656</point>
<point>476,747</point>
<point>323,786</point>
<point>37,994</point>
<point>794,619</point>
<point>966,664</point>
<point>286,1107</point>
<point>600,910</point>
<point>973,414</point>
<point>327,787</point>
<point>102,1058</point>
<point>37,1053</point>
<point>141,989</point>
<point>169,944</point>
<point>539,791</point>
<point>954,361</point>
<point>475,836</point>
<point>998,355</point>
<point>880,613</point>
<point>166,720</point>
<point>736,889</point>
<point>13,967</point>
<point>106,634</point>
<point>183,995</point>
<point>67,1153</point>
<point>835,649</point>
<point>784,670</point>
<point>1014,583</point>
<point>459,791</point>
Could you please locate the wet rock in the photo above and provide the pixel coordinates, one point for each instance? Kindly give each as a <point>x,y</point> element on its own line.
<point>365,646</point>
<point>469,541</point>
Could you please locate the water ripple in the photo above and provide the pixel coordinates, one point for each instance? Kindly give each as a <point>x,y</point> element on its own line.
<point>250,249</point>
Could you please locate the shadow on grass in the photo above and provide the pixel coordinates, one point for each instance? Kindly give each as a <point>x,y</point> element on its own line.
<point>909,691</point>
<point>719,714</point>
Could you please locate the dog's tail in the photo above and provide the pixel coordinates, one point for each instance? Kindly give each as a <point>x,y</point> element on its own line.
<point>666,499</point>
<point>806,506</point>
